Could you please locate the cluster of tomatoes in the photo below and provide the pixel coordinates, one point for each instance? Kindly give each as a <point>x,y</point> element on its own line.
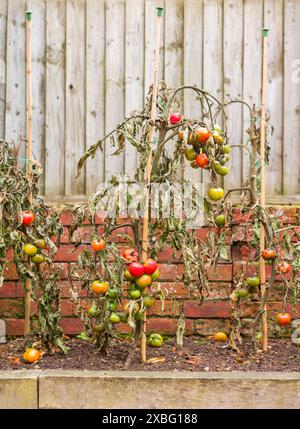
<point>34,251</point>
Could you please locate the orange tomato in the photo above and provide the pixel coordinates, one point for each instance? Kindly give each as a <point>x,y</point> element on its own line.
<point>202,134</point>
<point>100,287</point>
<point>283,319</point>
<point>220,336</point>
<point>98,245</point>
<point>31,355</point>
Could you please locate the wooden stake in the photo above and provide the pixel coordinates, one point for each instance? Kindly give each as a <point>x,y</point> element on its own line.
<point>262,267</point>
<point>159,14</point>
<point>28,16</point>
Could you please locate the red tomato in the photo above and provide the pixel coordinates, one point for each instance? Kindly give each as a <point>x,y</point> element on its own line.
<point>202,160</point>
<point>284,267</point>
<point>175,118</point>
<point>27,218</point>
<point>150,266</point>
<point>268,254</point>
<point>98,245</point>
<point>202,134</point>
<point>283,319</point>
<point>130,255</point>
<point>136,269</point>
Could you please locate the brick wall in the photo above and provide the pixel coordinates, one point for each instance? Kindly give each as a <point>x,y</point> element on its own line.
<point>204,319</point>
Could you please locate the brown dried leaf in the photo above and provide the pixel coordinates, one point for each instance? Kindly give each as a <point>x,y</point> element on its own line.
<point>156,360</point>
<point>14,360</point>
<point>193,360</point>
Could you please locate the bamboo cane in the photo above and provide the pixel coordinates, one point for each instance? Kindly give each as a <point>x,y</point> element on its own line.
<point>159,14</point>
<point>28,16</point>
<point>263,185</point>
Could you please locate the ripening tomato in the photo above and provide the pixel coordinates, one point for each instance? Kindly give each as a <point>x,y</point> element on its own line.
<point>130,255</point>
<point>38,259</point>
<point>100,287</point>
<point>40,243</point>
<point>202,134</point>
<point>181,135</point>
<point>27,218</point>
<point>268,254</point>
<point>143,281</point>
<point>217,137</point>
<point>283,319</point>
<point>98,245</point>
<point>202,160</point>
<point>284,267</point>
<point>29,249</point>
<point>136,269</point>
<point>148,301</point>
<point>190,154</point>
<point>175,118</point>
<point>155,275</point>
<point>220,336</point>
<point>150,266</point>
<point>128,276</point>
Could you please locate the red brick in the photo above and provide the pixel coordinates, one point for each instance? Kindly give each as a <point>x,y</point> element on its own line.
<point>10,272</point>
<point>10,255</point>
<point>238,216</point>
<point>202,233</point>
<point>72,325</point>
<point>68,308</point>
<point>62,268</point>
<point>238,233</point>
<point>64,238</point>
<point>8,290</point>
<point>167,326</point>
<point>83,234</point>
<point>14,326</point>
<point>168,272</point>
<point>167,255</point>
<point>217,290</point>
<point>66,217</point>
<point>211,326</point>
<point>170,309</point>
<point>65,287</point>
<point>123,328</point>
<point>174,289</point>
<point>117,237</point>
<point>11,308</point>
<point>68,253</point>
<point>220,272</point>
<point>208,309</point>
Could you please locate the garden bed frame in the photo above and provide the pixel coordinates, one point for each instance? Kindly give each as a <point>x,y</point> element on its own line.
<point>122,390</point>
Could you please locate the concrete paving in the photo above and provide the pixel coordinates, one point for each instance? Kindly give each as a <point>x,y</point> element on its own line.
<point>126,389</point>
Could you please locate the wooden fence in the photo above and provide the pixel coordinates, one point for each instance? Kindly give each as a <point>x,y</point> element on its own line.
<point>92,65</point>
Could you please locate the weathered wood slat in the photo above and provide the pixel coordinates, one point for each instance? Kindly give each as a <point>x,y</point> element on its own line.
<point>150,13</point>
<point>114,99</point>
<point>3,19</point>
<point>95,89</point>
<point>38,77</point>
<point>273,19</point>
<point>55,98</point>
<point>253,24</point>
<point>134,70</point>
<point>291,158</point>
<point>75,94</point>
<point>233,84</point>
<point>213,49</point>
<point>15,74</point>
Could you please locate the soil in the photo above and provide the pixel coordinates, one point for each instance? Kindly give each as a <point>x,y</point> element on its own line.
<point>196,355</point>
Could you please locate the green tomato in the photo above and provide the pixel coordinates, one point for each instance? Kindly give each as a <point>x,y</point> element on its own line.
<point>226,149</point>
<point>114,318</point>
<point>222,170</point>
<point>148,301</point>
<point>242,293</point>
<point>216,194</point>
<point>112,293</point>
<point>128,276</point>
<point>220,220</point>
<point>29,249</point>
<point>190,154</point>
<point>135,294</point>
<point>253,281</point>
<point>38,258</point>
<point>99,328</point>
<point>112,305</point>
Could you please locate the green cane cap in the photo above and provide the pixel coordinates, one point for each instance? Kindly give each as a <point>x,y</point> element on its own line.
<point>28,15</point>
<point>265,32</point>
<point>160,11</point>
